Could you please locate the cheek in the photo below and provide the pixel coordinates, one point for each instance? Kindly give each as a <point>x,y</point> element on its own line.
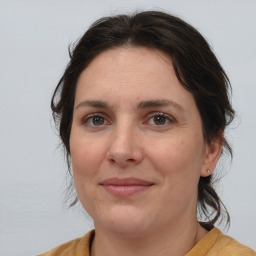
<point>86,161</point>
<point>180,157</point>
<point>86,155</point>
<point>179,163</point>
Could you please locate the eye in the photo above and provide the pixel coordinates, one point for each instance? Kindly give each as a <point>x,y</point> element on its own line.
<point>95,120</point>
<point>160,119</point>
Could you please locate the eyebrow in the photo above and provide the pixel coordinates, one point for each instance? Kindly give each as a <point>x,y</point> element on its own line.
<point>141,105</point>
<point>94,103</point>
<point>159,103</point>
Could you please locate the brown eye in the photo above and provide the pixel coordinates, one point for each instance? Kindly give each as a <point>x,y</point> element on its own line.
<point>160,120</point>
<point>98,120</point>
<point>95,120</point>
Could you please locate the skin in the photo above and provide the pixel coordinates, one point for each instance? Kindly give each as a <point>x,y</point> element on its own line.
<point>132,118</point>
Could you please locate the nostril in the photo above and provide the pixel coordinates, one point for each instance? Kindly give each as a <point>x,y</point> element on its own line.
<point>112,160</point>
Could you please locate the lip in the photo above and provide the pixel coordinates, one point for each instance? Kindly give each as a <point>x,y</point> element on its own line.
<point>126,186</point>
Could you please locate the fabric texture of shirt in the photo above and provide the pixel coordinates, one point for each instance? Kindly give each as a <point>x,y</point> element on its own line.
<point>215,243</point>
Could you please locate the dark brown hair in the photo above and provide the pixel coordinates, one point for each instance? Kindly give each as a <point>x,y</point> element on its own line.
<point>196,68</point>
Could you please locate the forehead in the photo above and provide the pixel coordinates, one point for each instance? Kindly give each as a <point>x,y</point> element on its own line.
<point>130,63</point>
<point>138,72</point>
<point>138,54</point>
<point>130,59</point>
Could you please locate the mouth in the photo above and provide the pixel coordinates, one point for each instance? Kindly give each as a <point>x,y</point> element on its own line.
<point>125,187</point>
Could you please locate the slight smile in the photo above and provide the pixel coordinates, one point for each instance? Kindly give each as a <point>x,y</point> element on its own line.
<point>125,187</point>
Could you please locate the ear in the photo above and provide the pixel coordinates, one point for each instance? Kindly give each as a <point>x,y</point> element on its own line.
<point>212,153</point>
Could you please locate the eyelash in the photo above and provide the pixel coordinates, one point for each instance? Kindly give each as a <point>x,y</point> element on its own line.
<point>88,120</point>
<point>166,117</point>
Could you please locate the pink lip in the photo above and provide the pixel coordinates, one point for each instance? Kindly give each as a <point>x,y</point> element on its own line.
<point>125,187</point>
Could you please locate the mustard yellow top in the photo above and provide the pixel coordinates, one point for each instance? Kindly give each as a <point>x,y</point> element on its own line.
<point>212,244</point>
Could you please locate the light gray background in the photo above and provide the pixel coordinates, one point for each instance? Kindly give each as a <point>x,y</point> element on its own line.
<point>34,36</point>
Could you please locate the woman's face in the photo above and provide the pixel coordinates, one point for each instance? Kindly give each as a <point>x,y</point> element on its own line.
<point>136,143</point>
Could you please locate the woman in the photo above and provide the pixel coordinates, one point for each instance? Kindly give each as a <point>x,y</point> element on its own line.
<point>142,108</point>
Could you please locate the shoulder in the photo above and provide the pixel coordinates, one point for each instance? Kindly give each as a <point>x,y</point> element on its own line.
<point>226,245</point>
<point>76,247</point>
<point>215,243</point>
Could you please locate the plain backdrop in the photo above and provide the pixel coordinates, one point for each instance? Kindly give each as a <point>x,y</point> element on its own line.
<point>34,38</point>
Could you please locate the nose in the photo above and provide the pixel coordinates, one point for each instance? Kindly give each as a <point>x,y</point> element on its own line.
<point>125,147</point>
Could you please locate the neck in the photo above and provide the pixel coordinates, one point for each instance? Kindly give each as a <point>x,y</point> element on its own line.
<point>177,240</point>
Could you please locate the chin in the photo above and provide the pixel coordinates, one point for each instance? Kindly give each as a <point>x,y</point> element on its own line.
<point>124,220</point>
